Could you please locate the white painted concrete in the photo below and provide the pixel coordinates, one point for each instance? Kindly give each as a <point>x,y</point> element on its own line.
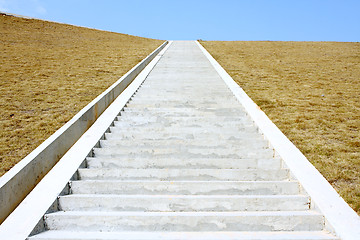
<point>182,203</point>
<point>184,156</point>
<point>168,174</point>
<point>209,235</point>
<point>344,221</point>
<point>185,187</point>
<point>185,221</point>
<point>184,163</point>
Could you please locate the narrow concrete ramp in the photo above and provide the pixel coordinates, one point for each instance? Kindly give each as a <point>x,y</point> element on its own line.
<point>184,161</point>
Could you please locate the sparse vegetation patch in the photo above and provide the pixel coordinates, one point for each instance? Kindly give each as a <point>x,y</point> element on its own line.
<point>49,71</point>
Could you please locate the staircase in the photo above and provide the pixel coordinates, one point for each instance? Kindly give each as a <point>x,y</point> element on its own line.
<point>184,161</point>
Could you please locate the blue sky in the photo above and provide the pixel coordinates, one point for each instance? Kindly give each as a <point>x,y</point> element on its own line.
<point>286,20</point>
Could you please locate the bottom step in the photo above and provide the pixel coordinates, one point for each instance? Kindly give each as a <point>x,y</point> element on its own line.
<point>57,235</point>
<point>185,221</point>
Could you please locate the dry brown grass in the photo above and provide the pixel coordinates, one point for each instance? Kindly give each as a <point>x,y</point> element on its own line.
<point>49,71</point>
<point>311,91</point>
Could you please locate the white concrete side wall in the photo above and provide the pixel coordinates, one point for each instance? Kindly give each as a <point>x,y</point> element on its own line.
<point>23,177</point>
<point>342,219</point>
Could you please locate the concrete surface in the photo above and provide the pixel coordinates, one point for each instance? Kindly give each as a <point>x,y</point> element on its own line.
<point>244,235</point>
<point>183,159</point>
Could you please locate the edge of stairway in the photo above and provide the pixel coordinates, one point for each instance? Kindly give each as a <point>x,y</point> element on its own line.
<point>26,218</point>
<point>340,218</point>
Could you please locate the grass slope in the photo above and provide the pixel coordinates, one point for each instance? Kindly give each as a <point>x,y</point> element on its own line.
<point>311,91</point>
<point>49,71</point>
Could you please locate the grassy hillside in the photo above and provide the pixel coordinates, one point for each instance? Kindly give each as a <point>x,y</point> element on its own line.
<point>311,91</point>
<point>49,71</point>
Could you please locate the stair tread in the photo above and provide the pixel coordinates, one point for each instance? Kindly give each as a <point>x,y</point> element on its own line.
<point>181,162</point>
<point>170,196</point>
<point>181,203</point>
<point>281,235</point>
<point>183,174</point>
<point>184,214</point>
<point>186,181</point>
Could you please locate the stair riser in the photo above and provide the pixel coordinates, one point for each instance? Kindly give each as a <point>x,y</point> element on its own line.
<point>185,223</point>
<point>184,131</point>
<point>169,113</point>
<point>183,174</point>
<point>184,155</point>
<point>188,84</point>
<point>278,235</point>
<point>171,204</point>
<point>176,144</point>
<point>169,101</point>
<point>180,137</point>
<point>183,163</point>
<point>237,153</point>
<point>189,90</point>
<point>128,118</point>
<point>185,188</point>
<point>200,111</point>
<point>161,123</point>
<point>138,104</point>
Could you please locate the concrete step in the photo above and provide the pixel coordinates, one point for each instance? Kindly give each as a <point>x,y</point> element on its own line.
<point>182,203</point>
<point>143,96</point>
<point>238,124</point>
<point>144,235</point>
<point>213,80</point>
<point>189,128</point>
<point>218,110</point>
<point>188,143</point>
<point>182,162</point>
<point>189,153</point>
<point>214,103</point>
<point>173,93</point>
<point>160,152</point>
<point>182,122</point>
<point>185,221</point>
<point>187,88</point>
<point>185,187</point>
<point>127,118</point>
<point>171,124</point>
<point>168,74</point>
<point>189,93</point>
<point>184,131</point>
<point>181,113</point>
<point>183,174</point>
<point>179,135</point>
<point>170,84</point>
<point>214,107</point>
